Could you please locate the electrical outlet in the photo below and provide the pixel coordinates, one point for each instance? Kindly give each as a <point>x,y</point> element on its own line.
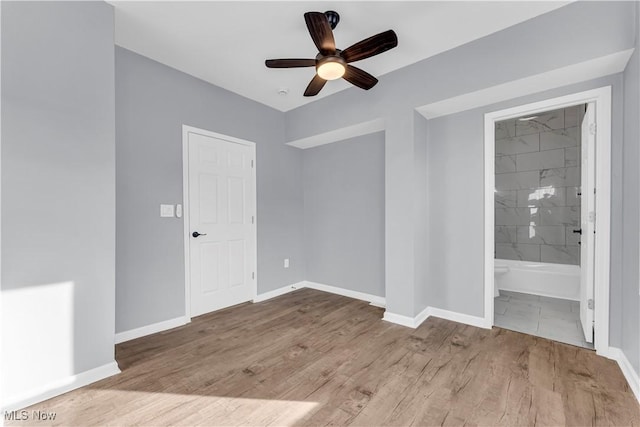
<point>286,263</point>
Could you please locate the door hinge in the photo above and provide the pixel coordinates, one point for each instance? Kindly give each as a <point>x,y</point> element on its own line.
<point>593,128</point>
<point>252,163</point>
<point>253,218</point>
<point>253,275</point>
<point>590,304</point>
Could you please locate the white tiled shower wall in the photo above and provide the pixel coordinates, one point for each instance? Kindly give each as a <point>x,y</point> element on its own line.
<point>537,202</point>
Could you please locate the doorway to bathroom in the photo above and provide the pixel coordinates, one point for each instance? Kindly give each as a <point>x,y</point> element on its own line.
<point>546,269</point>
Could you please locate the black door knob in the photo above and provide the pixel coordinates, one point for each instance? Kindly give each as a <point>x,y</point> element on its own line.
<point>578,231</point>
<point>196,234</point>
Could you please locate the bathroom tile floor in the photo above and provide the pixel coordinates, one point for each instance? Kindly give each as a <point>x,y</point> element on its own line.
<point>551,318</point>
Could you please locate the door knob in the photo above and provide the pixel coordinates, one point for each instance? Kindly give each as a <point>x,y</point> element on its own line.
<point>578,231</point>
<point>196,234</point>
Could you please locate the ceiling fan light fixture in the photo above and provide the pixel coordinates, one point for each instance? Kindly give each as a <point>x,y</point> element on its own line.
<point>331,67</point>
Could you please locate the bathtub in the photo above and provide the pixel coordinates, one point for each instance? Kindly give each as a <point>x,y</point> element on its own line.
<point>538,278</point>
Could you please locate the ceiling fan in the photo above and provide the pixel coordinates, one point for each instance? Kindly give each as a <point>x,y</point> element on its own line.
<point>332,63</point>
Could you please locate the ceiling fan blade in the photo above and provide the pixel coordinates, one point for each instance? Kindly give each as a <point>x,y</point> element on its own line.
<point>289,63</point>
<point>360,78</point>
<point>320,30</point>
<point>370,47</point>
<point>316,84</point>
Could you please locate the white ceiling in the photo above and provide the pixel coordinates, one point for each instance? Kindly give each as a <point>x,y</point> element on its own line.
<point>226,43</point>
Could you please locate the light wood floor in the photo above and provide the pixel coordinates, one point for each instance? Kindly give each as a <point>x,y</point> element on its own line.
<point>312,358</point>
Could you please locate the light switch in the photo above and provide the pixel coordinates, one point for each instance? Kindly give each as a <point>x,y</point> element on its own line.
<point>166,211</point>
<point>178,211</point>
<point>286,263</point>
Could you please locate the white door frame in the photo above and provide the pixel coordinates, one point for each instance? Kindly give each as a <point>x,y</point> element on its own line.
<point>601,97</point>
<point>185,211</point>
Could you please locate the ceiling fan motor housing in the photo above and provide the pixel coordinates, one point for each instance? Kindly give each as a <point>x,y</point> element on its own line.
<point>333,17</point>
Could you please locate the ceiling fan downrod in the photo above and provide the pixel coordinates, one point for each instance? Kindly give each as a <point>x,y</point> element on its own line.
<point>333,17</point>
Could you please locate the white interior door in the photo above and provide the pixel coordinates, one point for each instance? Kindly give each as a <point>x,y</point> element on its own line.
<point>587,221</point>
<point>221,220</point>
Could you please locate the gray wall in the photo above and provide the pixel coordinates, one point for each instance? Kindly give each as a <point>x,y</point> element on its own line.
<point>153,101</point>
<point>417,155</point>
<point>58,186</point>
<point>344,214</point>
<point>577,32</point>
<point>630,332</point>
<point>456,219</point>
<point>456,166</point>
<point>58,152</point>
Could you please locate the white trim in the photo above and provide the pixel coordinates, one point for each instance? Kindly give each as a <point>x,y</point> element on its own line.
<point>254,172</point>
<point>576,73</point>
<point>185,222</point>
<point>627,370</point>
<point>489,218</point>
<point>372,299</point>
<point>277,292</point>
<point>228,138</point>
<point>422,316</point>
<point>364,128</point>
<point>185,208</point>
<point>151,329</point>
<point>602,242</point>
<point>56,388</point>
<point>602,99</point>
<point>399,319</point>
<point>467,319</point>
<point>414,322</point>
<point>382,303</point>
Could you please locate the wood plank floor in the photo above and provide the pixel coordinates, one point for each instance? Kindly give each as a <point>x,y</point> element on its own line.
<point>312,358</point>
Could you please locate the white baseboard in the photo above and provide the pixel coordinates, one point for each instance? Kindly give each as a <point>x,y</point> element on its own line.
<point>183,320</point>
<point>372,299</point>
<point>64,385</point>
<point>151,329</point>
<point>422,316</point>
<point>627,370</point>
<point>414,322</point>
<point>399,319</point>
<point>378,304</point>
<point>277,292</point>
